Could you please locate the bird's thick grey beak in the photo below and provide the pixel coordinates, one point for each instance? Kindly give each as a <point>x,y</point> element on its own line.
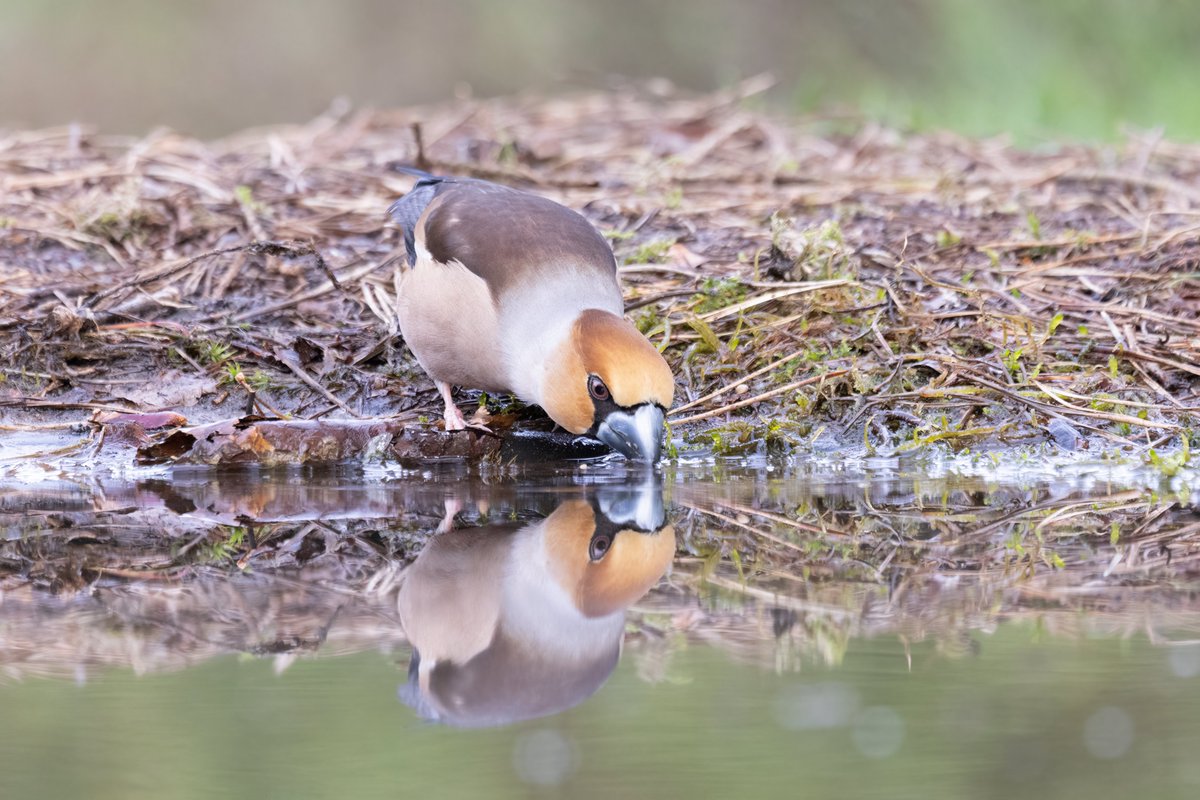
<point>635,434</point>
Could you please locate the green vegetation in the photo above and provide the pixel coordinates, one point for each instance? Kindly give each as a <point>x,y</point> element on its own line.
<point>653,251</point>
<point>212,353</point>
<point>718,293</point>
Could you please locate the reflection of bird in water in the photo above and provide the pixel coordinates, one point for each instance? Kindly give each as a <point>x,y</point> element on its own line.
<point>510,621</point>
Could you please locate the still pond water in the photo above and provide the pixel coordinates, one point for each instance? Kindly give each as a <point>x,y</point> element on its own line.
<point>592,634</point>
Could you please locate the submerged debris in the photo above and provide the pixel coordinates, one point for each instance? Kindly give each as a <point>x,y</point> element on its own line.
<point>158,574</point>
<point>1065,435</point>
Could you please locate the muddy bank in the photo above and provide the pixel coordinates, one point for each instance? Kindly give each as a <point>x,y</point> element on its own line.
<point>814,283</point>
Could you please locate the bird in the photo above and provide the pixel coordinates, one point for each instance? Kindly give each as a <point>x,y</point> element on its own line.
<point>510,292</point>
<point>511,621</point>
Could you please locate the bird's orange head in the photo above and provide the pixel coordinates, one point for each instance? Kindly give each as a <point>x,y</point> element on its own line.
<point>608,381</point>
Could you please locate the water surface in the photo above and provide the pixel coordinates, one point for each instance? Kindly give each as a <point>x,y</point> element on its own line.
<point>588,632</point>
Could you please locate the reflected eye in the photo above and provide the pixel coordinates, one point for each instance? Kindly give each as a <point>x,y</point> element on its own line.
<point>599,546</point>
<point>597,389</point>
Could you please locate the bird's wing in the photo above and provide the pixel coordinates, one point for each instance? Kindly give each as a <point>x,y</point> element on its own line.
<point>408,209</point>
<point>500,234</point>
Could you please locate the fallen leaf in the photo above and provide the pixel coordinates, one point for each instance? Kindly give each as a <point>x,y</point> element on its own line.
<point>171,389</point>
<point>149,421</point>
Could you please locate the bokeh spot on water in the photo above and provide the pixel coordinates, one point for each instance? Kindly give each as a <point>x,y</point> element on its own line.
<point>1108,733</point>
<point>1184,660</point>
<point>545,757</point>
<point>819,706</point>
<point>878,732</point>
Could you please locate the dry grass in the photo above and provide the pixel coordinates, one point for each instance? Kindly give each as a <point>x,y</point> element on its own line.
<point>804,277</point>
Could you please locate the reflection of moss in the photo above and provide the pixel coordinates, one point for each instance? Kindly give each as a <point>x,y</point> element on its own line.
<point>1170,465</point>
<point>224,548</point>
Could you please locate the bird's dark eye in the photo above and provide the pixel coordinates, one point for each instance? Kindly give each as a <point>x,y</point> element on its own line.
<point>597,389</point>
<point>599,546</point>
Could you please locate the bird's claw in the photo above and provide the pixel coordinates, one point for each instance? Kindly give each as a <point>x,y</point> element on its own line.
<point>454,420</point>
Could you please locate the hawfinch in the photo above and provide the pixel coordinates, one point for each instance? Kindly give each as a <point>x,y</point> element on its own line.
<point>509,292</point>
<point>510,622</point>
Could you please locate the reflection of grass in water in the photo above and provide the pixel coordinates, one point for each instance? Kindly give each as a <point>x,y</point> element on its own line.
<point>228,545</point>
<point>1045,541</point>
<point>781,574</point>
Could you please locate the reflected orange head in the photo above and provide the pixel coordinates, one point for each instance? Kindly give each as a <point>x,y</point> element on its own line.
<point>604,571</point>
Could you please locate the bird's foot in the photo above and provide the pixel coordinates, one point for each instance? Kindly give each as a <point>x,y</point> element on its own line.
<point>479,421</point>
<point>454,419</point>
<point>454,422</point>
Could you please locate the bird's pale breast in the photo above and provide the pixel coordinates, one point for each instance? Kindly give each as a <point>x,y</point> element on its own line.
<point>449,321</point>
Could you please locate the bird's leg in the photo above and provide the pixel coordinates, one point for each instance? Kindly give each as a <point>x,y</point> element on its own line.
<point>453,505</point>
<point>454,417</point>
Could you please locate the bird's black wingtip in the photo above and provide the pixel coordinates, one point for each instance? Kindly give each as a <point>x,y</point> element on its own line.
<point>394,210</point>
<point>417,173</point>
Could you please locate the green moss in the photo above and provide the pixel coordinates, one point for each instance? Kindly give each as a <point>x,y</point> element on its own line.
<point>947,238</point>
<point>824,254</point>
<point>718,293</point>
<point>647,320</point>
<point>230,374</point>
<point>260,381</point>
<point>210,352</point>
<point>654,251</point>
<point>750,435</point>
<point>1035,224</point>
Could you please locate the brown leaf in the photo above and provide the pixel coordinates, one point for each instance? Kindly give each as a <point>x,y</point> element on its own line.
<point>171,389</point>
<point>150,421</point>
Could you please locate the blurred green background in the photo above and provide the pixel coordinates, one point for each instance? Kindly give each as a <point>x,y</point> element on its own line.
<point>1032,68</point>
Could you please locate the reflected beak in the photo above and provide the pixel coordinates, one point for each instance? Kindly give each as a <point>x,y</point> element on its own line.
<point>633,507</point>
<point>635,434</point>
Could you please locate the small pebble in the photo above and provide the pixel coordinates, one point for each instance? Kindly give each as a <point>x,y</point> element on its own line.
<point>741,389</point>
<point>1065,435</point>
